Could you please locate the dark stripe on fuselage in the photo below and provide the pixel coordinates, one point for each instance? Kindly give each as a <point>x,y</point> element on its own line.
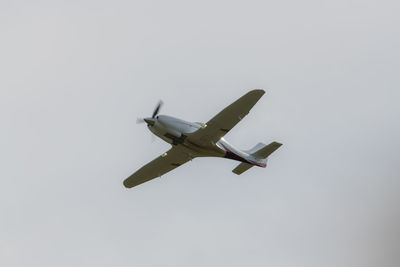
<point>231,155</point>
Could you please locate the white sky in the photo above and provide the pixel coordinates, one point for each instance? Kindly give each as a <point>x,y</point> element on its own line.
<point>75,75</point>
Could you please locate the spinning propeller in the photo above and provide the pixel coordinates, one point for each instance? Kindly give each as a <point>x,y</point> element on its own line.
<point>151,120</point>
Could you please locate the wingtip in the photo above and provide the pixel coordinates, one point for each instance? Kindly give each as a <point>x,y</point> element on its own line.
<point>256,93</point>
<point>260,91</point>
<point>277,144</point>
<point>126,184</point>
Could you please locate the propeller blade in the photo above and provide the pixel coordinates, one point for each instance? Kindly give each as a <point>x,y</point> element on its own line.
<point>157,109</point>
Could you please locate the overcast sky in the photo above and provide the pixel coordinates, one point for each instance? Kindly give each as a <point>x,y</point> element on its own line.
<point>75,75</point>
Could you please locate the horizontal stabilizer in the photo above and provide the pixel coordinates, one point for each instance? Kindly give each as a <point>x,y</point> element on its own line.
<point>242,167</point>
<point>266,150</point>
<point>255,148</point>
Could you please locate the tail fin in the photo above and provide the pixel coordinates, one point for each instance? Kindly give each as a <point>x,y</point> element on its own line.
<point>260,151</point>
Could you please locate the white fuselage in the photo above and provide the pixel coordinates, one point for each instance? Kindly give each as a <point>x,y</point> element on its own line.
<point>168,128</point>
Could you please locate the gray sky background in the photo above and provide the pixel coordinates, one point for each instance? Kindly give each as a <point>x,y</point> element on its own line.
<point>75,75</point>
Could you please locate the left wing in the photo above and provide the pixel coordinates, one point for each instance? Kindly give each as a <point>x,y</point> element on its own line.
<point>168,161</point>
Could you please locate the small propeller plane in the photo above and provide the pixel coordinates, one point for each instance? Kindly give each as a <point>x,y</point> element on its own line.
<point>193,139</point>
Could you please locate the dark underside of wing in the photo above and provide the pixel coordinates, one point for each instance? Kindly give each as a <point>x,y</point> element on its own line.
<point>168,161</point>
<point>224,121</point>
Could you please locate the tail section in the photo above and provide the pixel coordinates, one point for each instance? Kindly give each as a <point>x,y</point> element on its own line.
<point>259,153</point>
<point>255,148</point>
<point>266,150</point>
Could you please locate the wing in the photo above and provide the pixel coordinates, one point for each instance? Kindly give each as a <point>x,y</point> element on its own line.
<point>168,161</point>
<point>224,121</point>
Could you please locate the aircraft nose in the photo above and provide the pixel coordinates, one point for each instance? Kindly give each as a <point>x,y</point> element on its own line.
<point>150,121</point>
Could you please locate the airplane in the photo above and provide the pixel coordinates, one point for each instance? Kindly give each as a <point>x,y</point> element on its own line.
<point>190,140</point>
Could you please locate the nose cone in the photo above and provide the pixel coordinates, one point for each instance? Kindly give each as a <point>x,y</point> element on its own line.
<point>150,121</point>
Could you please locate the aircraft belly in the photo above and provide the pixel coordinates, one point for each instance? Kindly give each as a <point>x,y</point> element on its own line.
<point>202,151</point>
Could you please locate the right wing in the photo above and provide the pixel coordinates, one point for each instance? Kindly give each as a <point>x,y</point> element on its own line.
<point>224,121</point>
<point>168,161</point>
